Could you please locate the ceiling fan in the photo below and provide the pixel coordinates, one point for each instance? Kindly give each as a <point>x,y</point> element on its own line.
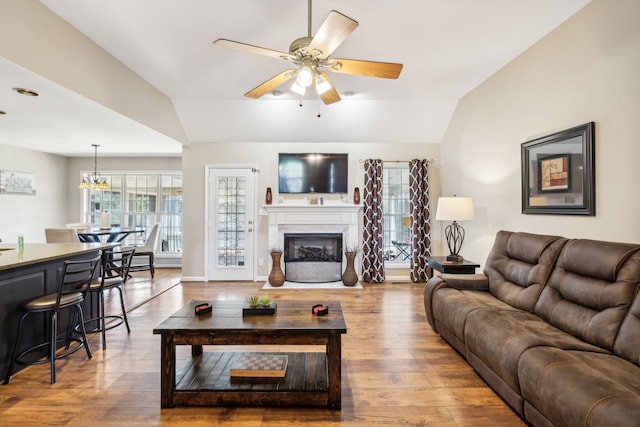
<point>311,55</point>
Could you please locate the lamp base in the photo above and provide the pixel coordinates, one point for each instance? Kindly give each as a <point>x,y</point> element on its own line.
<point>457,258</point>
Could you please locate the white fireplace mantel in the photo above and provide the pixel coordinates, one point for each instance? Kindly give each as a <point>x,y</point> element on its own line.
<point>336,218</point>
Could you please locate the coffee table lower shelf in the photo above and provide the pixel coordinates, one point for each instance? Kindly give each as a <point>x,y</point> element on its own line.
<point>205,381</point>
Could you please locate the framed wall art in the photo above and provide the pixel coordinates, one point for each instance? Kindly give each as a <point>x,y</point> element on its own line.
<point>558,173</point>
<point>17,183</point>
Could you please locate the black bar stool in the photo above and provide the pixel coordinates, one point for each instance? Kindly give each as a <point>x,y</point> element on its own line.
<point>114,274</point>
<point>72,289</point>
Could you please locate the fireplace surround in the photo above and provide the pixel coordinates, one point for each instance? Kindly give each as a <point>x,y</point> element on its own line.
<point>314,219</point>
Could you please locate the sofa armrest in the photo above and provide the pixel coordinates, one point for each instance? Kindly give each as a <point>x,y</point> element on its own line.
<point>477,282</point>
<point>469,282</point>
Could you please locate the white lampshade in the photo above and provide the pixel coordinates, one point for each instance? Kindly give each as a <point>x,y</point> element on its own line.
<point>454,209</point>
<point>322,84</point>
<point>305,76</point>
<point>300,90</point>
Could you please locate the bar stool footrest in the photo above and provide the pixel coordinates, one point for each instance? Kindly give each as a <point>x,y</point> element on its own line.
<point>116,321</point>
<point>59,355</point>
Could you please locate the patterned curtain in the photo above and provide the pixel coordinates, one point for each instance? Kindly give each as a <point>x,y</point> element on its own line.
<point>420,219</point>
<point>372,243</point>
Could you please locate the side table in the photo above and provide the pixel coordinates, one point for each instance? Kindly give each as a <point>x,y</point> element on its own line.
<point>441,264</point>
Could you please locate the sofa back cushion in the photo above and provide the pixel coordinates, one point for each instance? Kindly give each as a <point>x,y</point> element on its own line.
<point>627,342</point>
<point>591,289</point>
<point>518,266</point>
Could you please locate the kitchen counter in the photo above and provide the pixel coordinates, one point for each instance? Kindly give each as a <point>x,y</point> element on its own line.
<point>41,252</point>
<point>27,275</point>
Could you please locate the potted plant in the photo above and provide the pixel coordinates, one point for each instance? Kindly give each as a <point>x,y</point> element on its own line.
<point>259,306</point>
<point>266,301</point>
<point>253,300</point>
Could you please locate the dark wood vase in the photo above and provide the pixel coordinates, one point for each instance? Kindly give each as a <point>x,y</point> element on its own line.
<point>268,198</point>
<point>356,196</point>
<point>276,277</point>
<point>350,277</point>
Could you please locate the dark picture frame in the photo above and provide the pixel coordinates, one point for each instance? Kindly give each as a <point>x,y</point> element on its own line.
<point>558,173</point>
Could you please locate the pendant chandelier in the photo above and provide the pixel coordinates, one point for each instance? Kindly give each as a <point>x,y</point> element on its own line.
<point>94,181</point>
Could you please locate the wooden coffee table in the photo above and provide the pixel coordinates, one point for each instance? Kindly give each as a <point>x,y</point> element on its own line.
<point>312,379</point>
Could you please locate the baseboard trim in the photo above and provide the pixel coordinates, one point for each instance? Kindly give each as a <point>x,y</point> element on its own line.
<point>192,279</point>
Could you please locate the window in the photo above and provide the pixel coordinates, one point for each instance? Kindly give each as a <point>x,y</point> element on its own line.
<point>140,200</point>
<point>397,213</point>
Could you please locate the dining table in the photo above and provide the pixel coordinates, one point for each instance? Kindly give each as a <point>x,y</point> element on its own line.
<point>113,234</point>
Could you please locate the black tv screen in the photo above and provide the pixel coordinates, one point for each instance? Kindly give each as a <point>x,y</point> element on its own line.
<point>313,173</point>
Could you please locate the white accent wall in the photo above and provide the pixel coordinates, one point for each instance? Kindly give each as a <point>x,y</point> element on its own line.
<point>588,69</point>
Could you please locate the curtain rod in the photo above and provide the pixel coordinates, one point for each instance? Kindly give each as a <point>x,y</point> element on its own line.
<point>430,161</point>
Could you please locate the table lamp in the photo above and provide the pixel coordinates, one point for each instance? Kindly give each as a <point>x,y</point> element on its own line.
<point>454,209</point>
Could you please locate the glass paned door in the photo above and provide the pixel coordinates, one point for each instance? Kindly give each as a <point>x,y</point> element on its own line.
<point>231,224</point>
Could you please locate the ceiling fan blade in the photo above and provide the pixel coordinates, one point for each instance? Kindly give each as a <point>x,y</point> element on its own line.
<point>385,70</point>
<point>254,49</point>
<point>270,84</point>
<point>333,31</point>
<point>331,95</point>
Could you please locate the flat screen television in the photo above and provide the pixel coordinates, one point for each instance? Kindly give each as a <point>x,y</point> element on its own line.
<point>313,173</point>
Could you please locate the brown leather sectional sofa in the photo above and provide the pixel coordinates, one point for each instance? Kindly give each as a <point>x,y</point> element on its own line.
<point>552,325</point>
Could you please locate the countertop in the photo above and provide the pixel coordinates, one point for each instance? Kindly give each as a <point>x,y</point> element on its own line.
<point>41,252</point>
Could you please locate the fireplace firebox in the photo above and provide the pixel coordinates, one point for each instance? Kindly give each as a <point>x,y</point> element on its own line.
<point>313,257</point>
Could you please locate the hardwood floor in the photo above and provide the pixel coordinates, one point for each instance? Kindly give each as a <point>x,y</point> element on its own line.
<point>396,370</point>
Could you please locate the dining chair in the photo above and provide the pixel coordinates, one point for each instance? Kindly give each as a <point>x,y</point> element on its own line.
<point>61,235</point>
<point>79,225</point>
<point>113,275</point>
<point>73,285</point>
<point>147,251</point>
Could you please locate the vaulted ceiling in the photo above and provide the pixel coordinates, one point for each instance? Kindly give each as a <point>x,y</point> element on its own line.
<point>447,47</point>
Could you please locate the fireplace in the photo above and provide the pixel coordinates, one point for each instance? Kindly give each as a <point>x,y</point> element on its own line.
<point>335,219</point>
<point>313,257</point>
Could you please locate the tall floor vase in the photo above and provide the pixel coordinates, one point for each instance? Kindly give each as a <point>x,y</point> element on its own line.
<point>350,277</point>
<point>276,277</point>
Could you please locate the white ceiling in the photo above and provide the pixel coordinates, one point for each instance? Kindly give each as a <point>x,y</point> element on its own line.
<point>447,47</point>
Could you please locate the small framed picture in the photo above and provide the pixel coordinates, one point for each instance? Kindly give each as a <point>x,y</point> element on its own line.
<point>554,173</point>
<point>558,173</point>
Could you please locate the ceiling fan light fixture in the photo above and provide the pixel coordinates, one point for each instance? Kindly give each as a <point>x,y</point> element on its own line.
<point>300,90</point>
<point>305,76</point>
<point>322,84</point>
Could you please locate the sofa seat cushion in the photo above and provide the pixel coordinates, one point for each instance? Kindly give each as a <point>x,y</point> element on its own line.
<point>577,388</point>
<point>499,338</point>
<point>452,306</point>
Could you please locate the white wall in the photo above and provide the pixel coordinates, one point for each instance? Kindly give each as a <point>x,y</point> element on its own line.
<point>30,215</point>
<point>586,70</point>
<point>265,156</point>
